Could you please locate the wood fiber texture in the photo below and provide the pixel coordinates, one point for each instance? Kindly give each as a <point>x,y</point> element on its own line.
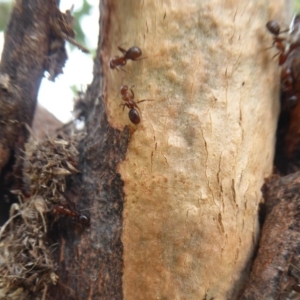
<point>196,163</point>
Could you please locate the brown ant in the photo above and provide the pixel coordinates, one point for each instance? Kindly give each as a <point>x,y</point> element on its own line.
<point>274,28</point>
<point>128,97</point>
<point>63,210</point>
<point>134,53</point>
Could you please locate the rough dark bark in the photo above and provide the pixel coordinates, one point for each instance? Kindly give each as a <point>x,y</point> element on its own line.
<point>91,263</point>
<point>279,248</point>
<point>22,67</point>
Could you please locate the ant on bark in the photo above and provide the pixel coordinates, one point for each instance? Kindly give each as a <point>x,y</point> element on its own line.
<point>128,97</point>
<point>274,28</point>
<point>289,54</point>
<point>289,42</point>
<point>60,209</point>
<point>134,53</point>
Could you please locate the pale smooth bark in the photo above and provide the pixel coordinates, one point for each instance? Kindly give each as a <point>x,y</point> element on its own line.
<point>197,161</point>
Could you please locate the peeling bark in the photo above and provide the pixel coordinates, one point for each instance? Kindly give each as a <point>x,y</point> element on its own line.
<point>279,247</point>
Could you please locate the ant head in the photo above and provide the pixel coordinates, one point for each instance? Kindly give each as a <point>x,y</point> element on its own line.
<point>123,89</point>
<point>134,116</point>
<point>273,27</point>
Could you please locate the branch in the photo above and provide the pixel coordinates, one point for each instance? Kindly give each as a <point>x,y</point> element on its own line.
<point>21,71</point>
<point>35,43</point>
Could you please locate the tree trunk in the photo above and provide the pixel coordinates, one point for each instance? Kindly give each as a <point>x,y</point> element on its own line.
<point>174,199</point>
<point>193,168</point>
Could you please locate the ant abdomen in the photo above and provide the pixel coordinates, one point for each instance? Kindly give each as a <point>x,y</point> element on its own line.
<point>133,53</point>
<point>134,116</point>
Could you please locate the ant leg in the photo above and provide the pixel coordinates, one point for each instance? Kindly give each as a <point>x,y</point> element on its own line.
<point>268,47</point>
<point>124,105</point>
<point>120,69</point>
<point>122,50</point>
<point>132,93</point>
<point>276,55</point>
<point>144,100</point>
<point>139,58</point>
